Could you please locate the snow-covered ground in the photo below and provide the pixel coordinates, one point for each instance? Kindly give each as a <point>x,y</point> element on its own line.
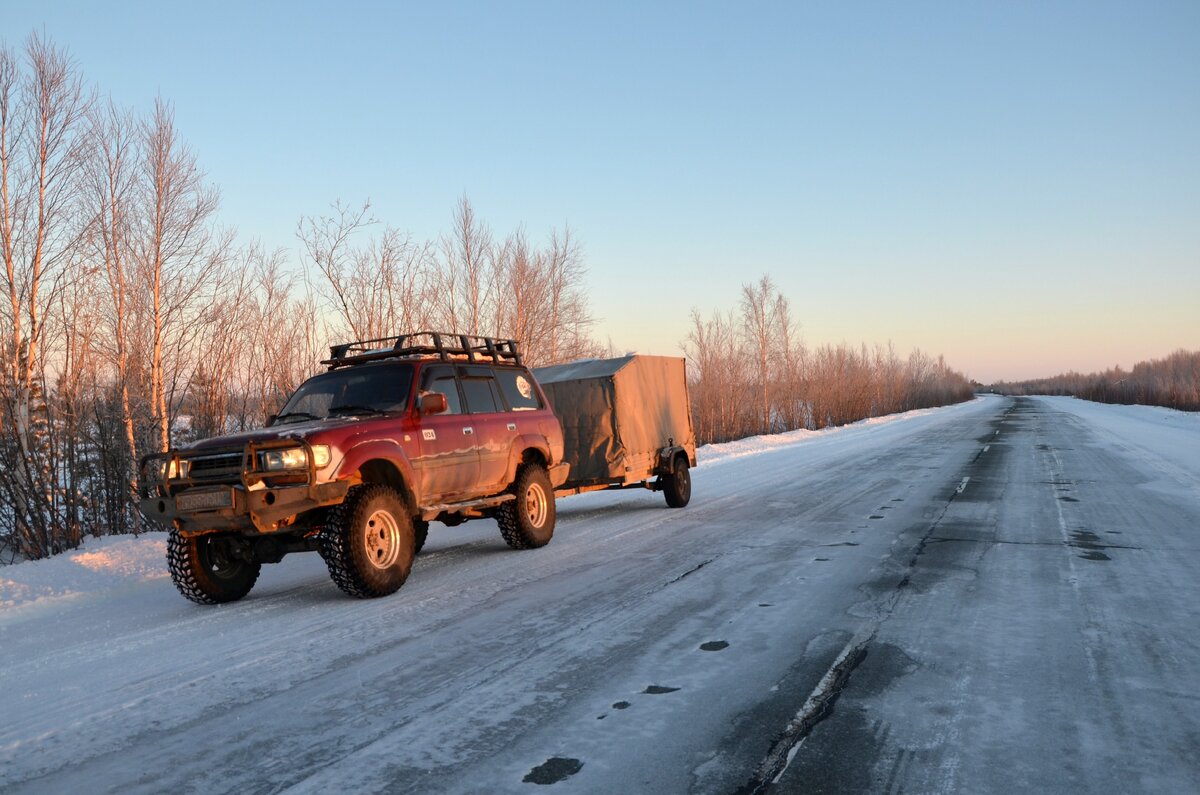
<point>1012,577</point>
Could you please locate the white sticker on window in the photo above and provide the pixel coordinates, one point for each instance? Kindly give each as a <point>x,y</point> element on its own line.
<point>524,387</point>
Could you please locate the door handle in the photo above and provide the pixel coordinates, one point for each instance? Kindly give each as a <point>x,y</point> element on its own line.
<point>468,431</point>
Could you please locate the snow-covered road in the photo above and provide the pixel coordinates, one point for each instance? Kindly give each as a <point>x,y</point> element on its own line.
<point>993,597</point>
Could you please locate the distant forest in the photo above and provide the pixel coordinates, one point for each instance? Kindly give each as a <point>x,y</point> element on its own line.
<point>1173,381</point>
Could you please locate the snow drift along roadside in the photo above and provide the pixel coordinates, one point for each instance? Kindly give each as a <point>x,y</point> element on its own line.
<point>755,445</point>
<point>99,564</point>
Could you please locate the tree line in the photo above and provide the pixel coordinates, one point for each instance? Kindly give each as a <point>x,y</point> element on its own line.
<point>1173,381</point>
<point>750,373</point>
<point>131,321</point>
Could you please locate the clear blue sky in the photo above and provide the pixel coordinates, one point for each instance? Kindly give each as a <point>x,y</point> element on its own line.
<point>1013,184</point>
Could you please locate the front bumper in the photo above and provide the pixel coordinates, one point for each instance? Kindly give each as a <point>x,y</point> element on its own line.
<point>261,511</point>
<point>258,503</point>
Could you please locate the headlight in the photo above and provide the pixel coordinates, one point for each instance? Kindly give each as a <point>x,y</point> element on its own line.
<point>162,469</point>
<point>291,458</point>
<point>320,455</point>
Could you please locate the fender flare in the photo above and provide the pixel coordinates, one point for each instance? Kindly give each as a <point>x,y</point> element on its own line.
<point>520,446</point>
<point>667,456</point>
<point>381,450</point>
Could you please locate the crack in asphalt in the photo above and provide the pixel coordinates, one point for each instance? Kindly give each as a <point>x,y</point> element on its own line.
<point>692,570</point>
<point>997,542</point>
<point>816,709</point>
<point>819,704</point>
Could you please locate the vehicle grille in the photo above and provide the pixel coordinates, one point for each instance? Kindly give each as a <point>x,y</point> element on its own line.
<point>216,466</point>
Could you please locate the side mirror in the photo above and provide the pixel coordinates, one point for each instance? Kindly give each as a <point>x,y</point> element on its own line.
<point>271,419</point>
<point>432,403</point>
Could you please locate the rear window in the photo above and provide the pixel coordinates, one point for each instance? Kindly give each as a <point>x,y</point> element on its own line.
<point>518,389</point>
<point>481,395</point>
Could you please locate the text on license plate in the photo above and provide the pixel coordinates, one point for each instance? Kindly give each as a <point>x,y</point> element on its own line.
<point>204,500</point>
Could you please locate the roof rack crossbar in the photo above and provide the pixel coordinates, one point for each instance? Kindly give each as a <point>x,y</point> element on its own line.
<point>446,346</point>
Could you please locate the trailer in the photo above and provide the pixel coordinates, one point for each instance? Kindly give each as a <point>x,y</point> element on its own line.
<point>626,424</point>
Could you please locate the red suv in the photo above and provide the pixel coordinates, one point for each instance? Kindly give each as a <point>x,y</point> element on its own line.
<point>399,432</point>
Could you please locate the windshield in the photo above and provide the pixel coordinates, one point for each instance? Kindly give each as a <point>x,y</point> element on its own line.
<point>366,389</point>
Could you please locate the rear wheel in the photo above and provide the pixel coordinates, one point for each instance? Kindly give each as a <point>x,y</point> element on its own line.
<point>206,569</point>
<point>528,521</point>
<point>369,542</point>
<point>677,485</point>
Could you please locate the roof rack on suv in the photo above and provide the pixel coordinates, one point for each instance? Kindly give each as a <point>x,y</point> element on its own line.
<point>444,345</point>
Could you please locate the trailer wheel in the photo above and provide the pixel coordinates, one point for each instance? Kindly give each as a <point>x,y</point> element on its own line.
<point>420,533</point>
<point>369,542</point>
<point>528,521</point>
<point>206,570</point>
<point>677,486</point>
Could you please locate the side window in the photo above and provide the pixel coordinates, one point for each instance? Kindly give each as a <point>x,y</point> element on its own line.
<point>517,386</point>
<point>441,379</point>
<point>481,395</point>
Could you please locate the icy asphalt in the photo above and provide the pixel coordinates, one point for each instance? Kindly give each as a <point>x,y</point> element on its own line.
<point>996,597</point>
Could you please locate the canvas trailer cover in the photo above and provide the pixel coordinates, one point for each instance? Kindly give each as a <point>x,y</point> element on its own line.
<point>619,416</point>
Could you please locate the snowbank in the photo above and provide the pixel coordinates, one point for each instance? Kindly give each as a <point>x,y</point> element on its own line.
<point>99,564</point>
<point>755,445</point>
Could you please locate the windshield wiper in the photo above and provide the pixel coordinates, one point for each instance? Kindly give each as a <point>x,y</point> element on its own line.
<point>300,415</point>
<point>348,409</point>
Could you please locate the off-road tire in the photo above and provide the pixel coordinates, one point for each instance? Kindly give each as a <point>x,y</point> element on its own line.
<point>528,521</point>
<point>205,570</point>
<point>420,533</point>
<point>368,542</point>
<point>677,485</point>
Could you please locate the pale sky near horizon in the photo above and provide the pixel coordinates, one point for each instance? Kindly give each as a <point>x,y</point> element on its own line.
<point>1014,185</point>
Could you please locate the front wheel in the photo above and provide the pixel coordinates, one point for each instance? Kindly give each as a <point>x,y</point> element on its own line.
<point>206,569</point>
<point>528,521</point>
<point>677,485</point>
<point>369,543</point>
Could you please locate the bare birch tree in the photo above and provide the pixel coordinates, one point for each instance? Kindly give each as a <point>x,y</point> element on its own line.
<point>570,333</point>
<point>43,143</point>
<point>181,259</point>
<point>759,323</point>
<point>78,322</point>
<point>113,195</point>
<point>720,378</point>
<point>466,296</point>
<point>377,287</point>
<point>468,283</point>
<point>253,361</point>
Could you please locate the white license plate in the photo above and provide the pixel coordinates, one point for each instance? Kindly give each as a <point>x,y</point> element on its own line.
<point>207,500</point>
